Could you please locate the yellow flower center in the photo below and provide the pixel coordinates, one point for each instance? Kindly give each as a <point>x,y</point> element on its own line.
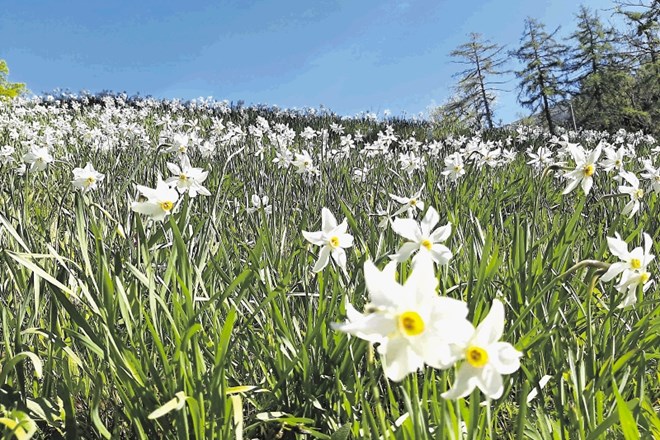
<point>617,163</point>
<point>588,170</point>
<point>427,244</point>
<point>639,193</point>
<point>635,263</point>
<point>457,167</point>
<point>413,202</point>
<point>89,181</point>
<point>476,356</point>
<point>167,205</point>
<point>183,177</point>
<point>334,242</point>
<point>644,277</point>
<point>410,323</point>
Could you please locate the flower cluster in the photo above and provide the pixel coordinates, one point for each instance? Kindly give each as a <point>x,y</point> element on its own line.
<point>411,324</point>
<point>632,269</point>
<point>413,327</point>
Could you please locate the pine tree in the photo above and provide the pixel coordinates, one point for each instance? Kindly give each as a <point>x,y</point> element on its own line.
<point>541,86</point>
<point>475,91</point>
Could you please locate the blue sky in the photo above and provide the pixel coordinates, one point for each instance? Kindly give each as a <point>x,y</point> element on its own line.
<point>348,55</point>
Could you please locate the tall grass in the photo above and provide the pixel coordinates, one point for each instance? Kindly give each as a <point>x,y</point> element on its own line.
<point>212,325</point>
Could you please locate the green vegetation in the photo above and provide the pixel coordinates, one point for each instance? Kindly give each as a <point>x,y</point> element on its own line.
<point>8,89</point>
<point>212,324</point>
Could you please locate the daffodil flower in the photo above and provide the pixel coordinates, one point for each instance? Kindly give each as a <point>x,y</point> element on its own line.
<point>332,238</point>
<point>634,191</point>
<point>86,178</point>
<point>423,238</point>
<point>632,267</point>
<point>38,158</point>
<point>188,179</point>
<point>409,204</point>
<point>411,323</point>
<point>486,359</point>
<point>584,170</point>
<point>160,201</point>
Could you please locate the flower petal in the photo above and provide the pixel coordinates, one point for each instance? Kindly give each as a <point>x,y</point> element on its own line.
<point>441,234</point>
<point>504,357</point>
<point>489,382</point>
<point>407,228</point>
<point>328,221</point>
<point>429,221</point>
<point>316,238</point>
<point>324,256</point>
<point>464,382</point>
<point>404,252</point>
<point>491,328</point>
<point>399,359</point>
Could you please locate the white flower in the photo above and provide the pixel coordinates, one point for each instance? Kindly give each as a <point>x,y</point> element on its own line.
<point>412,325</point>
<point>632,267</point>
<point>86,178</point>
<point>260,203</point>
<point>188,179</point>
<point>541,159</point>
<point>333,239</point>
<point>584,170</point>
<point>423,238</point>
<point>411,204</point>
<point>160,201</point>
<point>634,191</point>
<point>180,143</point>
<point>304,164</point>
<point>614,159</point>
<point>653,174</point>
<point>454,167</point>
<point>5,154</point>
<point>38,158</point>
<point>486,359</point>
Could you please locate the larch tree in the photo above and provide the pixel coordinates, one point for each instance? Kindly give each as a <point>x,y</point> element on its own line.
<point>541,85</point>
<point>475,91</point>
<point>598,76</point>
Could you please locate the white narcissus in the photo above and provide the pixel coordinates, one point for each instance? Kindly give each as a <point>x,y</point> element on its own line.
<point>632,267</point>
<point>188,179</point>
<point>486,359</point>
<point>653,174</point>
<point>423,238</point>
<point>454,166</point>
<point>160,201</point>
<point>86,178</point>
<point>411,323</point>
<point>585,169</point>
<point>38,158</point>
<point>409,204</point>
<point>332,238</point>
<point>634,191</point>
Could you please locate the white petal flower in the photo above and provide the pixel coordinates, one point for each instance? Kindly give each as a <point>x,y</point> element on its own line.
<point>423,238</point>
<point>160,202</point>
<point>486,359</point>
<point>86,178</point>
<point>333,239</point>
<point>413,325</point>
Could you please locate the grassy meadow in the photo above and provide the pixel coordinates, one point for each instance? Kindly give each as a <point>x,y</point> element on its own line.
<point>212,324</point>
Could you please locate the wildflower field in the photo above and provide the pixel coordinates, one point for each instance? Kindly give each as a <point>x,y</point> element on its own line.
<point>203,271</point>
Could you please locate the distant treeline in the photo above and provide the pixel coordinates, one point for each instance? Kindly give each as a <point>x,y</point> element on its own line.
<point>600,77</point>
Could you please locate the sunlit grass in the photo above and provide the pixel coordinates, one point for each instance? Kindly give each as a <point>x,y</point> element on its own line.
<point>212,324</point>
